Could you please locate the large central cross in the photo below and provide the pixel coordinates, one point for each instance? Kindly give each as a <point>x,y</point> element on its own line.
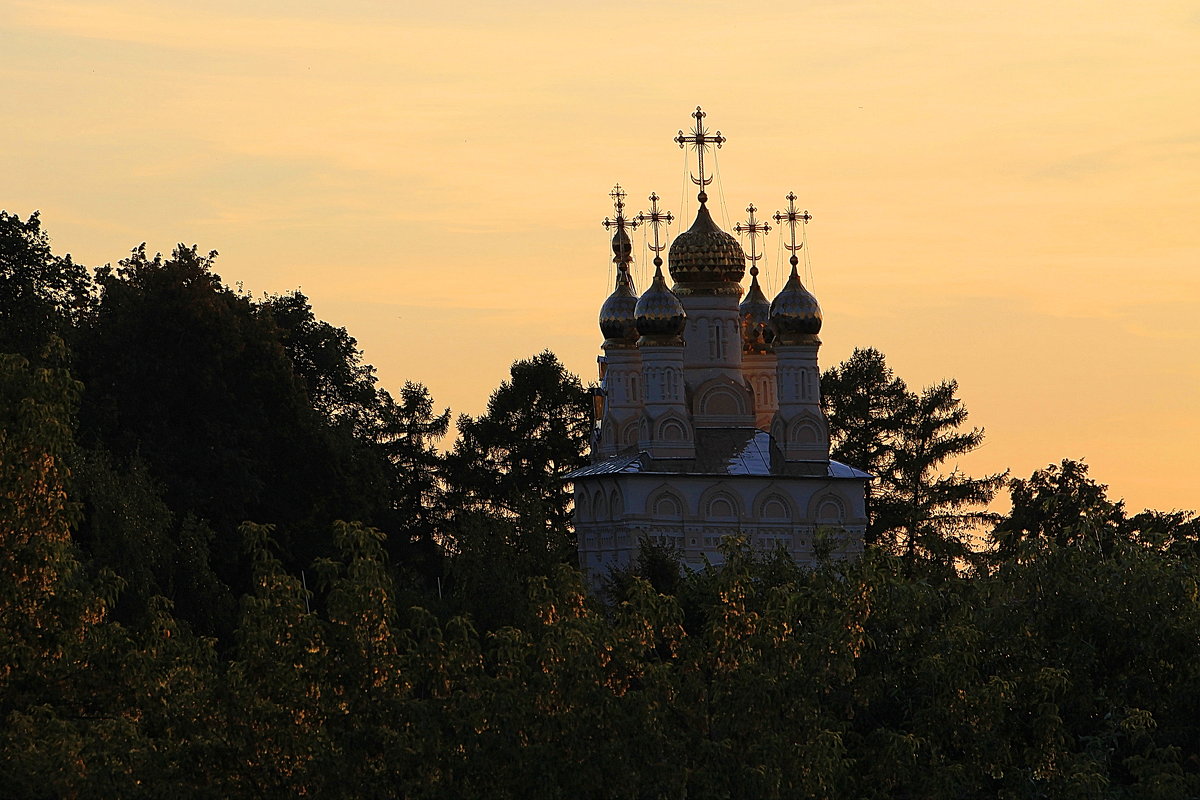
<point>699,139</point>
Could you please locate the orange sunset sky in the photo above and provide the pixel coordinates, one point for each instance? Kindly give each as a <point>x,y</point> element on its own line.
<point>1003,192</point>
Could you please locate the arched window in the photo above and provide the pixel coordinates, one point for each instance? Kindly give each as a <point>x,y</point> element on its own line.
<point>716,343</point>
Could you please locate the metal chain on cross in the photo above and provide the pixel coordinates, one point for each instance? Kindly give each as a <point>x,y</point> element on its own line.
<point>700,139</point>
<point>753,228</point>
<point>655,219</point>
<point>791,217</point>
<point>622,245</point>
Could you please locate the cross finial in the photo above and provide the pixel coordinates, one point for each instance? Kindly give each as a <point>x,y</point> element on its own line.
<point>792,218</point>
<point>754,229</point>
<point>655,219</point>
<point>622,246</point>
<point>699,139</point>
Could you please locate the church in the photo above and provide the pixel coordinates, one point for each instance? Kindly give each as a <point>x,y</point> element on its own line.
<point>709,420</point>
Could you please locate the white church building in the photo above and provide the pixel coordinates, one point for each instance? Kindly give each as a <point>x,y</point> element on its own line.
<point>709,419</point>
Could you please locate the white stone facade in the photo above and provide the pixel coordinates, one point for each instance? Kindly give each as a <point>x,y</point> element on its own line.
<point>691,514</point>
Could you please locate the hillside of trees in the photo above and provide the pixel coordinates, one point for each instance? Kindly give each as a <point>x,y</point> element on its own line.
<point>234,565</point>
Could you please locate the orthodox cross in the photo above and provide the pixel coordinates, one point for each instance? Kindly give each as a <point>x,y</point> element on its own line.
<point>622,247</point>
<point>755,229</point>
<point>655,219</point>
<point>699,139</point>
<point>792,217</point>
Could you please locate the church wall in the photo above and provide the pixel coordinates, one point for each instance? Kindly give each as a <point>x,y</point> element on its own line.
<point>692,514</point>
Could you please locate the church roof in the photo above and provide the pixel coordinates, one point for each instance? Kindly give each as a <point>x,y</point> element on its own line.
<point>720,452</point>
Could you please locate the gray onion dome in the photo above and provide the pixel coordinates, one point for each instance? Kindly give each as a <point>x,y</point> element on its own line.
<point>616,314</point>
<point>660,315</point>
<point>795,313</point>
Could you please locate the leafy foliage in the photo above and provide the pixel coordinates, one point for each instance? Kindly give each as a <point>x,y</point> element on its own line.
<point>41,295</point>
<point>1058,663</point>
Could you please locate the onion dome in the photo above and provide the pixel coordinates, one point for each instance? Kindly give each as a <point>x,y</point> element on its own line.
<point>795,313</point>
<point>660,315</point>
<point>755,312</point>
<point>616,315</point>
<point>707,260</point>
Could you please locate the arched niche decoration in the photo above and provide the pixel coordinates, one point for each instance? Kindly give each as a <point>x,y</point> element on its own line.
<point>666,503</point>
<point>672,427</point>
<point>721,504</point>
<point>616,506</point>
<point>599,506</point>
<point>672,430</point>
<point>804,432</point>
<point>828,509</point>
<point>773,505</point>
<point>629,434</point>
<point>807,429</point>
<point>721,400</point>
<point>583,508</point>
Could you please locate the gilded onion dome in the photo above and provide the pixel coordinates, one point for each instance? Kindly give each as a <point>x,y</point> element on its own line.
<point>795,313</point>
<point>660,315</point>
<point>755,312</point>
<point>706,260</point>
<point>616,315</point>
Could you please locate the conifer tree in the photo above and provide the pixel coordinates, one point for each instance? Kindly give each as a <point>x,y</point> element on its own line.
<point>919,503</point>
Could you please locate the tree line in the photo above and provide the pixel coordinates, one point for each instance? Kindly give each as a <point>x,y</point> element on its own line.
<point>234,565</point>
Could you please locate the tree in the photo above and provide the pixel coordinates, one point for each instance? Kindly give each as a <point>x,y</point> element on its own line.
<point>43,597</point>
<point>509,510</point>
<point>1061,505</point>
<point>41,294</point>
<point>905,439</point>
<point>866,405</point>
<point>940,509</point>
<point>405,432</point>
<point>392,440</point>
<point>193,380</point>
<point>326,358</point>
<point>56,729</point>
<point>509,462</point>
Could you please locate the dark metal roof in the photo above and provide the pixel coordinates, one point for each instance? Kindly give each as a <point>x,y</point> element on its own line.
<point>721,452</point>
<point>629,461</point>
